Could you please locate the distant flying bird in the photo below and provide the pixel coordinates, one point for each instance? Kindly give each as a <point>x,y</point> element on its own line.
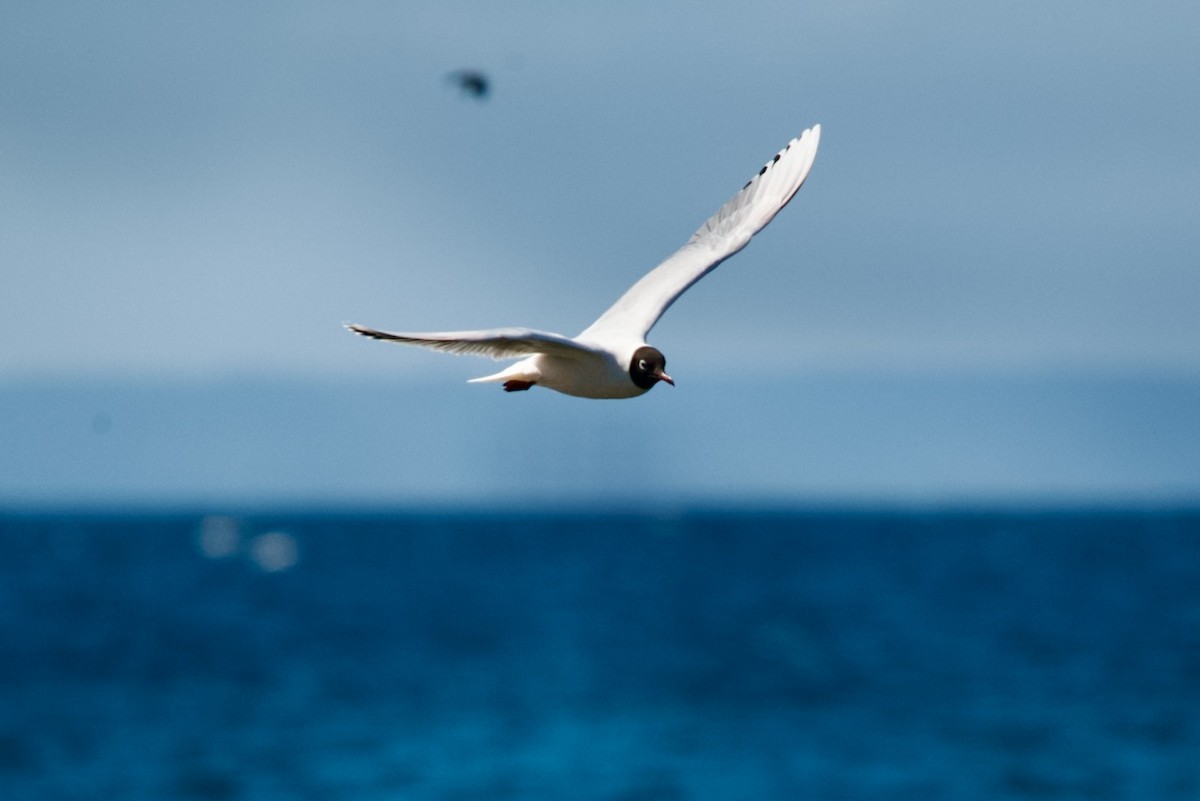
<point>472,82</point>
<point>611,359</point>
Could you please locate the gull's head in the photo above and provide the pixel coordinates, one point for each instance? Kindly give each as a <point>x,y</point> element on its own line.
<point>648,366</point>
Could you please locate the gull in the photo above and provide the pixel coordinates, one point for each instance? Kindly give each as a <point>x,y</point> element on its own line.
<point>610,358</point>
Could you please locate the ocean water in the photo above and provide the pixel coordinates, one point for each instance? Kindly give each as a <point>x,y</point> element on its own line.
<point>707,655</point>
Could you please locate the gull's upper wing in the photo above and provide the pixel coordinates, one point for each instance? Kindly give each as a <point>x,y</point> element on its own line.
<point>498,343</point>
<point>721,236</point>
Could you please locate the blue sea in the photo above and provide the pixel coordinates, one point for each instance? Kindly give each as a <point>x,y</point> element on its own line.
<point>710,655</point>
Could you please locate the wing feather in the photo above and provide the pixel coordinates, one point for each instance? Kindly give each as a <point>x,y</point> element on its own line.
<point>497,343</point>
<point>721,236</point>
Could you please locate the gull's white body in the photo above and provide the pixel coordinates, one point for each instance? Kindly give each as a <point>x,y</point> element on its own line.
<point>598,372</point>
<point>597,362</point>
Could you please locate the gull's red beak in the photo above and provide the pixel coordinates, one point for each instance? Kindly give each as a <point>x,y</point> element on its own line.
<point>661,375</point>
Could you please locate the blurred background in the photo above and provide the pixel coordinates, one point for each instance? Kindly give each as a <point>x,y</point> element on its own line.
<point>987,290</point>
<point>702,656</point>
<point>919,520</point>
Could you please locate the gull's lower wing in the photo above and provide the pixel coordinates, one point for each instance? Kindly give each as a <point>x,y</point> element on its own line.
<point>498,343</point>
<point>721,236</point>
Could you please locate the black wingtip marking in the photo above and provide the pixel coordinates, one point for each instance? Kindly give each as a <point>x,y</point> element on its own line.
<point>370,333</point>
<point>768,165</point>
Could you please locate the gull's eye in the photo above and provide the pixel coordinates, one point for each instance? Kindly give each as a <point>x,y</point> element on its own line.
<point>642,365</point>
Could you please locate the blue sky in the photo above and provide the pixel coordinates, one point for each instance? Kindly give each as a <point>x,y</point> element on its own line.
<point>207,191</point>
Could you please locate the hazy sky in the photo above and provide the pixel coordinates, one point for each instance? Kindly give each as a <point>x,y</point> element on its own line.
<point>988,288</point>
<point>215,187</point>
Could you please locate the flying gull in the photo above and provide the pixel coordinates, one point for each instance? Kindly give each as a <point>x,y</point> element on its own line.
<point>610,358</point>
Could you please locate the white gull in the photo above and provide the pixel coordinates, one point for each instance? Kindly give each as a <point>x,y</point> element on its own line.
<point>610,358</point>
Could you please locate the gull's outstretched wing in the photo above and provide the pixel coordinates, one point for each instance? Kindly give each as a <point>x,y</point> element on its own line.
<point>498,343</point>
<point>721,236</point>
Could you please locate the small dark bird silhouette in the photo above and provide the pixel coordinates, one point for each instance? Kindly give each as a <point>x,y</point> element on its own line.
<point>472,82</point>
